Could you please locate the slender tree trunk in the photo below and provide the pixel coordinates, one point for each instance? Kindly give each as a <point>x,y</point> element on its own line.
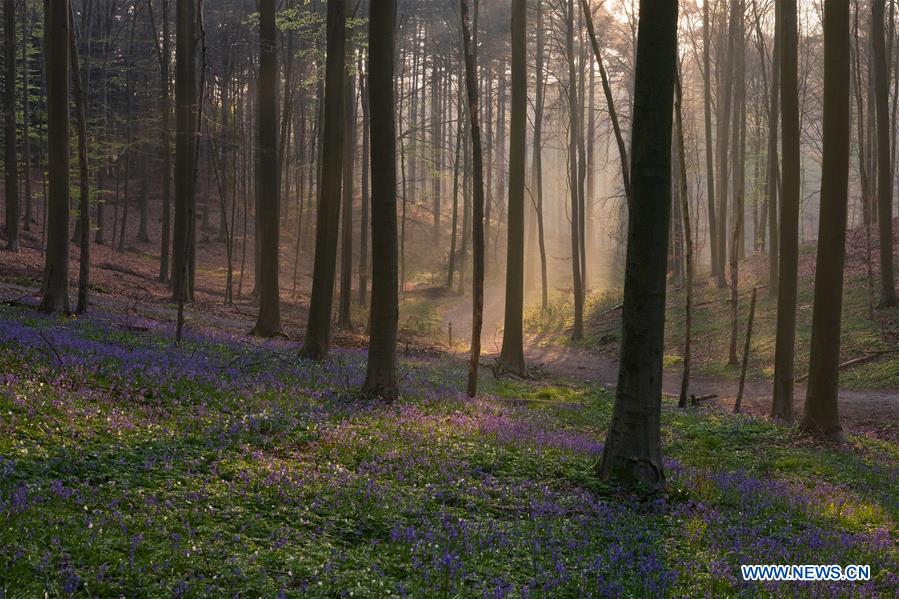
<point>9,101</point>
<point>577,331</point>
<point>451,267</point>
<point>56,57</point>
<point>746,347</point>
<point>737,174</point>
<point>821,416</point>
<point>688,246</point>
<point>632,452</point>
<point>381,374</point>
<point>884,171</point>
<point>511,356</point>
<point>364,214</point>
<point>782,405</point>
<point>537,163</point>
<point>26,120</point>
<point>84,189</point>
<point>709,147</point>
<point>471,83</point>
<point>773,162</point>
<point>344,317</point>
<point>185,146</point>
<point>318,331</point>
<point>725,95</point>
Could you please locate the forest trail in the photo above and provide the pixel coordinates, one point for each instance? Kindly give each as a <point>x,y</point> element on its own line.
<point>863,410</point>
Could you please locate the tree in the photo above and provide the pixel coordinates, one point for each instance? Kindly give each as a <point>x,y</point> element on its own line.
<point>477,224</point>
<point>782,404</point>
<point>344,316</point>
<point>821,416</point>
<point>268,183</point>
<point>185,149</point>
<point>9,105</point>
<point>512,354</point>
<point>381,372</point>
<point>318,329</point>
<point>84,188</point>
<point>632,452</point>
<point>537,160</point>
<point>688,244</point>
<point>884,169</point>
<point>709,151</point>
<point>577,331</point>
<point>56,56</point>
<point>163,54</point>
<point>773,166</point>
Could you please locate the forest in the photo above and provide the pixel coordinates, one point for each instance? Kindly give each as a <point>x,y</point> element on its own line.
<point>449,298</point>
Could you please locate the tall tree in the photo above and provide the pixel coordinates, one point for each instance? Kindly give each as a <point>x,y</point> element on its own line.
<point>318,330</point>
<point>577,331</point>
<point>344,316</point>
<point>84,186</point>
<point>9,106</point>
<point>821,416</point>
<point>56,59</point>
<point>163,55</point>
<point>782,404</point>
<point>537,160</point>
<point>884,170</point>
<point>688,244</point>
<point>632,452</point>
<point>381,372</point>
<point>725,95</point>
<point>709,148</point>
<point>185,148</point>
<point>511,356</point>
<point>268,182</point>
<point>773,163</point>
<point>477,224</point>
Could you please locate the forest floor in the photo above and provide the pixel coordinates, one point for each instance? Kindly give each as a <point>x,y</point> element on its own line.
<point>133,467</point>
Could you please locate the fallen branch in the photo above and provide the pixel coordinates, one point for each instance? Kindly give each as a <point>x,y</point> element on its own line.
<point>694,400</point>
<point>870,357</point>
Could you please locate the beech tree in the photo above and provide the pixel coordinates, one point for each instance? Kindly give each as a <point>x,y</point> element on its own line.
<point>782,403</point>
<point>821,416</point>
<point>884,166</point>
<point>632,452</point>
<point>268,181</point>
<point>9,106</point>
<point>381,370</point>
<point>318,329</point>
<point>56,62</point>
<point>512,353</point>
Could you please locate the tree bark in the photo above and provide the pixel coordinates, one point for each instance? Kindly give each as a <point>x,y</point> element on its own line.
<point>84,189</point>
<point>577,331</point>
<point>56,57</point>
<point>344,317</point>
<point>632,452</point>
<point>782,404</point>
<point>9,101</point>
<point>688,246</point>
<point>268,182</point>
<point>381,372</point>
<point>884,170</point>
<point>318,330</point>
<point>512,354</point>
<point>471,83</point>
<point>821,416</point>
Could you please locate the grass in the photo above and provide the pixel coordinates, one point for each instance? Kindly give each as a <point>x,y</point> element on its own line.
<point>712,326</point>
<point>134,468</point>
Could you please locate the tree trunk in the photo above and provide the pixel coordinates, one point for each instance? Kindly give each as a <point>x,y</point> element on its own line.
<point>688,246</point>
<point>884,178</point>
<point>318,331</point>
<point>344,318</point>
<point>632,452</point>
<point>725,94</point>
<point>737,174</point>
<point>709,148</point>
<point>471,83</point>
<point>782,404</point>
<point>56,56</point>
<point>577,331</point>
<point>381,372</point>
<point>773,162</point>
<point>268,181</point>
<point>365,224</point>
<point>185,147</point>
<point>821,416</point>
<point>9,101</point>
<point>84,189</point>
<point>512,354</point>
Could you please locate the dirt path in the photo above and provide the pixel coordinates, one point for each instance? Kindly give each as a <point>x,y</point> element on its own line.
<point>872,411</point>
